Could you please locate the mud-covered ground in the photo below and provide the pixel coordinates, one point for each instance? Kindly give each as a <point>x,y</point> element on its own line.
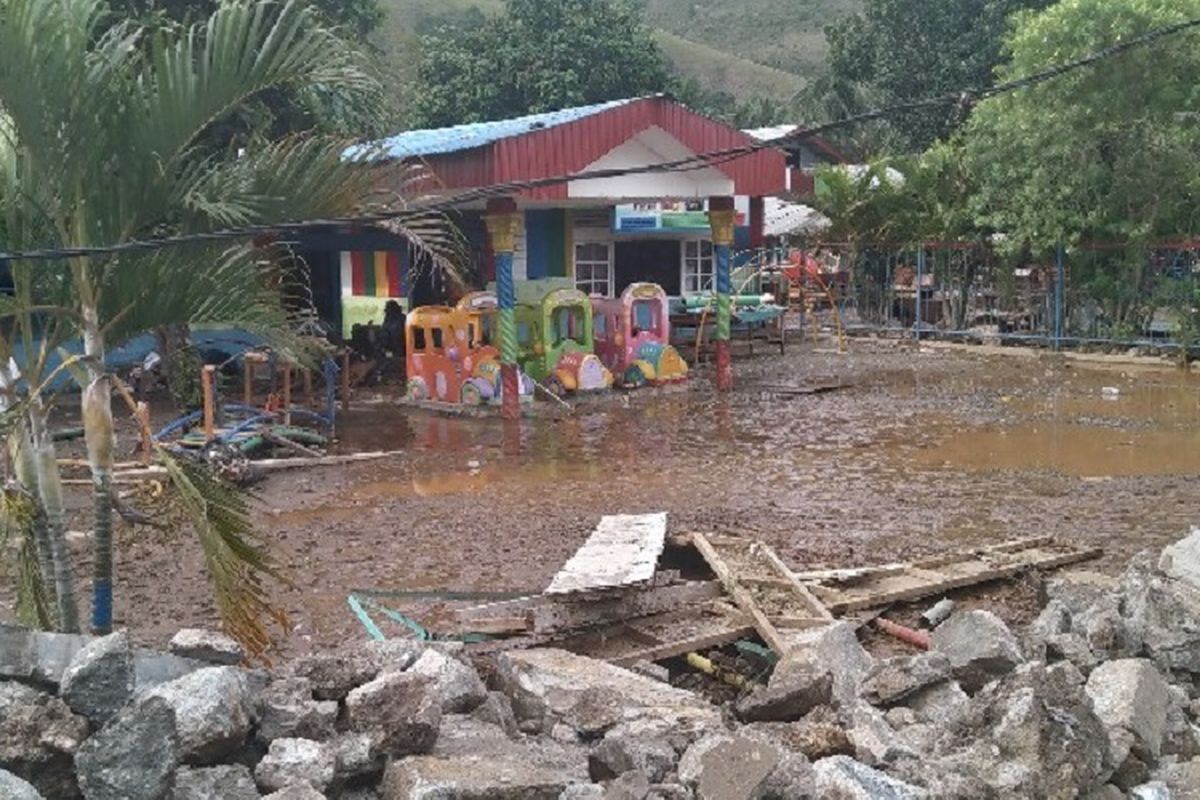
<point>923,450</point>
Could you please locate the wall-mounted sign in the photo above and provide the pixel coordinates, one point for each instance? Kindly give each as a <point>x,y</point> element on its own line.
<point>672,216</point>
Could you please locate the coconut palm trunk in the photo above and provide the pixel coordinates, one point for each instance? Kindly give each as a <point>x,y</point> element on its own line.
<point>50,493</point>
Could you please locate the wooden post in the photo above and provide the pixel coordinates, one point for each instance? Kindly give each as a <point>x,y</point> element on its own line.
<point>247,380</point>
<point>345,379</point>
<point>207,377</point>
<point>146,446</point>
<point>287,393</point>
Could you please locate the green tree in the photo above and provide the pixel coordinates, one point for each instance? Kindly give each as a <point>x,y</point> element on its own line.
<point>1106,154</point>
<point>102,144</point>
<point>540,55</point>
<point>895,51</point>
<point>356,17</point>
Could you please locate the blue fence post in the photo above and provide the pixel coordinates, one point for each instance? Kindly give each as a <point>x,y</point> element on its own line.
<point>1060,275</point>
<point>920,282</point>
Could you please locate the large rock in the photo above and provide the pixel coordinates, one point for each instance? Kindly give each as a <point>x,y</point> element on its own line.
<point>843,778</point>
<point>226,782</point>
<point>894,679</point>
<point>835,646</point>
<point>460,688</point>
<point>799,687</point>
<point>334,675</point>
<point>286,710</point>
<point>1181,560</point>
<point>99,680</point>
<point>1132,700</point>
<point>296,791</point>
<point>875,741</point>
<point>942,704</point>
<point>213,709</point>
<point>817,736</point>
<point>497,710</point>
<point>133,757</point>
<point>978,646</point>
<point>548,686</point>
<point>211,646</point>
<point>39,736</point>
<point>496,769</point>
<point>1182,779</point>
<point>403,710</point>
<point>792,779</point>
<point>14,788</point>
<point>730,766</point>
<point>1163,615</point>
<point>645,746</point>
<point>296,761</point>
<point>356,756</point>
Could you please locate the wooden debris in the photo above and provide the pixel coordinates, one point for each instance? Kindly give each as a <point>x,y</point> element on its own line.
<point>623,550</point>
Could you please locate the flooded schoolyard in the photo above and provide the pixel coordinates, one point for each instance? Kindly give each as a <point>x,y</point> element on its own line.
<point>921,450</point>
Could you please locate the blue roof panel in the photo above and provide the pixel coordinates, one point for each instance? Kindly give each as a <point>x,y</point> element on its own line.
<point>440,141</point>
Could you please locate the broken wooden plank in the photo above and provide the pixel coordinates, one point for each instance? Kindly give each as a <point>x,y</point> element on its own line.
<point>745,601</point>
<point>622,551</point>
<point>800,588</point>
<point>494,626</point>
<point>568,612</point>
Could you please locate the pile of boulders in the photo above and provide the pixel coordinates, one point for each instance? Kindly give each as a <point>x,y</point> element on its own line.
<point>1099,698</point>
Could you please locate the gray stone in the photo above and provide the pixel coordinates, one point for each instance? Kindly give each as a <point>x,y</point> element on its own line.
<point>979,647</point>
<point>296,791</point>
<point>894,679</point>
<point>133,757</point>
<point>213,712</point>
<point>295,761</point>
<point>286,710</point>
<point>630,786</point>
<point>547,686</point>
<point>640,745</point>
<point>211,646</point>
<point>669,791</point>
<point>356,755</point>
<point>225,782</point>
<point>1132,700</point>
<point>942,704</point>
<point>1163,616</point>
<point>39,736</point>
<point>900,717</point>
<point>816,736</point>
<point>401,708</point>
<point>1182,778</point>
<point>14,788</point>
<point>649,669</point>
<point>359,793</point>
<point>334,675</point>
<point>458,685</point>
<point>729,766</point>
<point>463,735</point>
<point>582,791</point>
<point>938,613</point>
<point>875,741</point>
<point>497,710</point>
<point>843,778</point>
<point>798,685</point>
<point>792,779</point>
<point>99,680</point>
<point>1181,560</point>
<point>499,770</point>
<point>837,647</point>
<point>1154,790</point>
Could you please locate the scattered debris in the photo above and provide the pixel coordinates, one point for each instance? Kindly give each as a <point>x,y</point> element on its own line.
<point>938,613</point>
<point>622,551</point>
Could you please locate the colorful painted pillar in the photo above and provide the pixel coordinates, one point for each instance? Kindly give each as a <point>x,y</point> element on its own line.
<point>721,221</point>
<point>502,221</point>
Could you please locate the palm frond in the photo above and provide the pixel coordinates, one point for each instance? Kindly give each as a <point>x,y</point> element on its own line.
<point>239,560</point>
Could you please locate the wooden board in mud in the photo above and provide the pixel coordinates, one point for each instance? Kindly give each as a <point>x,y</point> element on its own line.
<point>622,551</point>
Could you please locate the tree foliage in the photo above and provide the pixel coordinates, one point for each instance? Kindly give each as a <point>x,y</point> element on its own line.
<point>540,55</point>
<point>895,51</point>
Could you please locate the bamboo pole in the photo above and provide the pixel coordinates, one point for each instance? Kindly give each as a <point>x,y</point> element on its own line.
<point>207,377</point>
<point>146,445</point>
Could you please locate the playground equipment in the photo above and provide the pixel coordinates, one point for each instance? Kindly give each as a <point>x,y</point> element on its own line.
<point>450,360</point>
<point>633,334</point>
<point>482,309</point>
<point>556,345</point>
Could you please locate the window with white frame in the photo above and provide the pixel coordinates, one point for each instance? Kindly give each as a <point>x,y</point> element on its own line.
<point>697,266</point>
<point>593,268</point>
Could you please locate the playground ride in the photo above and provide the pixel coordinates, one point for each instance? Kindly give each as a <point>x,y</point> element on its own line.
<point>632,337</point>
<point>556,345</point>
<point>451,360</point>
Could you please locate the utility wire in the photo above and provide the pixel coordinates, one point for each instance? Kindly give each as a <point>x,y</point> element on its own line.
<point>697,161</point>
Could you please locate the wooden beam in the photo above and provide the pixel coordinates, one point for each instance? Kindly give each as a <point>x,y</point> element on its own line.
<point>745,601</point>
<point>817,606</point>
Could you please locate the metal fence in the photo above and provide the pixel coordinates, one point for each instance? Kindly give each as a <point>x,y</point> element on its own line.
<point>1091,295</point>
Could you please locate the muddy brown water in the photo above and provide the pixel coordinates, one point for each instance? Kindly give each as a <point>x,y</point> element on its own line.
<point>921,452</point>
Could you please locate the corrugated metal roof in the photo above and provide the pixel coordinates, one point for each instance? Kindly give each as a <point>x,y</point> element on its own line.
<point>441,141</point>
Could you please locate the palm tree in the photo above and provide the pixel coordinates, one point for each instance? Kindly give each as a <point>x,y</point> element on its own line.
<point>108,126</point>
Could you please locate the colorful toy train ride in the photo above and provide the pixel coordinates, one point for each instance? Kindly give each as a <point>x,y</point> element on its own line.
<point>566,343</point>
<point>450,357</point>
<point>555,343</point>
<point>633,334</point>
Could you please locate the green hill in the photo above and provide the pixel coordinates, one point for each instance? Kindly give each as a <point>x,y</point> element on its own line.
<point>747,48</point>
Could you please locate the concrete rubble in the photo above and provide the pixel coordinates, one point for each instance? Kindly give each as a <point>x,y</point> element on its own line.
<point>1098,698</point>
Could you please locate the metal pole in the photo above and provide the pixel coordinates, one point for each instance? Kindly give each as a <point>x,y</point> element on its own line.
<point>721,221</point>
<point>920,282</point>
<point>1060,279</point>
<point>502,223</point>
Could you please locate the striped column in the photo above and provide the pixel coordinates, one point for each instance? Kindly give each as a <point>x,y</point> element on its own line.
<point>721,221</point>
<point>502,221</point>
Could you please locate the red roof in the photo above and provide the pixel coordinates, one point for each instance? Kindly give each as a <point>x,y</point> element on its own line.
<point>570,147</point>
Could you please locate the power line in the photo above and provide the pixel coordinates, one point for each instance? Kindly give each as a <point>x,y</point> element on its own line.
<point>693,162</point>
